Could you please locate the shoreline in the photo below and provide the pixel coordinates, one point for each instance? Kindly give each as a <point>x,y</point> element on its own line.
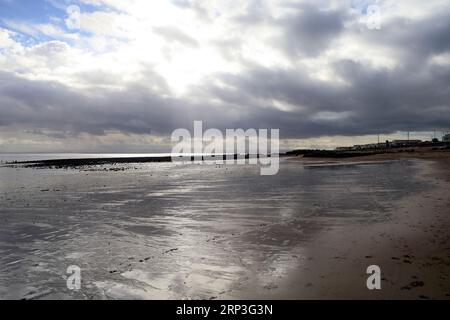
<point>321,158</point>
<point>404,154</point>
<point>88,162</point>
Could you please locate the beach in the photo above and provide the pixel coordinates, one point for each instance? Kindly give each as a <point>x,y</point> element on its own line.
<point>412,249</point>
<point>190,231</point>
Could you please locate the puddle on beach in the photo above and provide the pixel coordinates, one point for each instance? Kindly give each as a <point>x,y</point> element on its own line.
<point>178,231</point>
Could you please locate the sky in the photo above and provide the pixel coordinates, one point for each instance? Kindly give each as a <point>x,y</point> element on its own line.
<point>120,76</point>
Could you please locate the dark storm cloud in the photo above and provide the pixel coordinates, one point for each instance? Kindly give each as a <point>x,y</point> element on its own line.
<point>135,110</point>
<point>413,95</point>
<point>414,41</point>
<point>311,29</point>
<point>376,101</point>
<point>308,30</point>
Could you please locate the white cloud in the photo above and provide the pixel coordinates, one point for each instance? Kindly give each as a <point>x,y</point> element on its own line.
<point>6,39</point>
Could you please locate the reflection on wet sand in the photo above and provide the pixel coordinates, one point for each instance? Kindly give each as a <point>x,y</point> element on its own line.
<point>161,231</point>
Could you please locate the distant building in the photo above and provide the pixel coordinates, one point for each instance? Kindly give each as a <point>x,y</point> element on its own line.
<point>405,143</point>
<point>383,145</point>
<point>446,138</point>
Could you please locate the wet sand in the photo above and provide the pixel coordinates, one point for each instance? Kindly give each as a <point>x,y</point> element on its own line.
<point>162,231</point>
<point>412,248</point>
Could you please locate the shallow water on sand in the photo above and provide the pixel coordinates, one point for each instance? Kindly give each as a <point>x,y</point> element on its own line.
<point>166,230</point>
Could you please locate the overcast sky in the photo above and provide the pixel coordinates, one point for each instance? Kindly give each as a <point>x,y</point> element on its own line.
<point>325,73</point>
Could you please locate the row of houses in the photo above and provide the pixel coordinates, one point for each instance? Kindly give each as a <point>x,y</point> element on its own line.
<point>384,145</point>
